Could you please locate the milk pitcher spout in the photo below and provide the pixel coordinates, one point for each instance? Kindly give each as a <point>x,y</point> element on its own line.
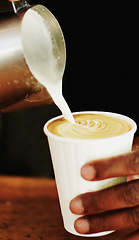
<point>18,86</point>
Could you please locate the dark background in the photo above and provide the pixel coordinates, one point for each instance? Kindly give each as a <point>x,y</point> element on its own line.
<point>102,73</point>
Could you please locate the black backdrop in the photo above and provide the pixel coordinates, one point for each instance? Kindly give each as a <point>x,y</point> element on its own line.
<point>102,70</point>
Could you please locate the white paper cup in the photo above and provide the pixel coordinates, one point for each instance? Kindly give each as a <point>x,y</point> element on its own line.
<point>69,155</point>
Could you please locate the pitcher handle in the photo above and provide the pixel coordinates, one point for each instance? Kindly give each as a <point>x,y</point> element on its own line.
<point>19,5</point>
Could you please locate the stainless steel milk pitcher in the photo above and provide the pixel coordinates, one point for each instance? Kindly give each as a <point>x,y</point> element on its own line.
<point>18,87</point>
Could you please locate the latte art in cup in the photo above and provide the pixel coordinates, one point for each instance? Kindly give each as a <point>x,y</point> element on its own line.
<point>93,136</point>
<point>89,126</point>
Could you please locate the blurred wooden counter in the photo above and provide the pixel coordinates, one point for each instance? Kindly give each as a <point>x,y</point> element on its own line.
<point>29,210</point>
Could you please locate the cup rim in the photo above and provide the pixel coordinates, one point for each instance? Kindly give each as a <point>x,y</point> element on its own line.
<point>66,139</point>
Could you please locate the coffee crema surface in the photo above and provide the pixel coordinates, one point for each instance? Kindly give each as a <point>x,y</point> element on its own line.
<point>90,126</point>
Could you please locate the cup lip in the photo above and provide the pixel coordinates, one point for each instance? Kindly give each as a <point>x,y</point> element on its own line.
<point>66,139</point>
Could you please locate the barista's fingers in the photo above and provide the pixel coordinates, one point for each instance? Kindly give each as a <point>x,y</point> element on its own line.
<point>123,165</point>
<point>136,144</point>
<point>113,220</point>
<point>121,196</point>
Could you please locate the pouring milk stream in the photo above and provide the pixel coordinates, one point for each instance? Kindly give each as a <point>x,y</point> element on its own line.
<point>43,55</point>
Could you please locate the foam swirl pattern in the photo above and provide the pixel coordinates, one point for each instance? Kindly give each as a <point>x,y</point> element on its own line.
<point>90,126</point>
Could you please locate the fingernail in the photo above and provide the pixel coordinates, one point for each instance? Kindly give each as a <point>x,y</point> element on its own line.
<point>82,226</point>
<point>76,206</point>
<point>88,172</point>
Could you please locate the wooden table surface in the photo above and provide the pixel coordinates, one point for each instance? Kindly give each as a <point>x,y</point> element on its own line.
<point>29,210</point>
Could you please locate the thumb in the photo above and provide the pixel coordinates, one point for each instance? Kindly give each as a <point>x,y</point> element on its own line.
<point>136,144</point>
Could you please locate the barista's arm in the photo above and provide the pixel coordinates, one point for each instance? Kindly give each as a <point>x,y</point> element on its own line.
<point>119,204</point>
